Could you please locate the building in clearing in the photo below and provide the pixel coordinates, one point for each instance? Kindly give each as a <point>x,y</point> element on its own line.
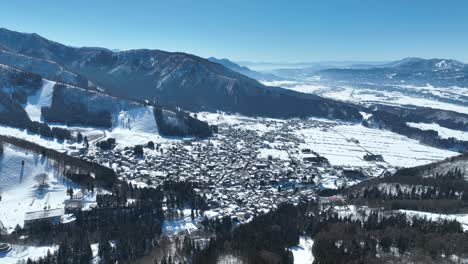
<point>52,216</point>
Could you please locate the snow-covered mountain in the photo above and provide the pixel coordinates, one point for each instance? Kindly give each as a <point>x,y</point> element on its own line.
<point>26,98</point>
<point>415,71</point>
<point>174,78</point>
<point>49,69</point>
<point>261,76</point>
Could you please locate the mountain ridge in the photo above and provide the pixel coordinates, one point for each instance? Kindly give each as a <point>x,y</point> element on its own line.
<point>177,79</point>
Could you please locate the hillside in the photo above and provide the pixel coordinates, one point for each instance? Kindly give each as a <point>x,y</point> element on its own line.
<point>29,101</point>
<point>177,79</point>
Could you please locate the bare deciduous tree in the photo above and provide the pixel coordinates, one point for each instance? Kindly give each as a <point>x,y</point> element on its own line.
<point>41,178</point>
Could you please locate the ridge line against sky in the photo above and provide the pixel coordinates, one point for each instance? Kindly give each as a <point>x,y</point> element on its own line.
<point>263,31</point>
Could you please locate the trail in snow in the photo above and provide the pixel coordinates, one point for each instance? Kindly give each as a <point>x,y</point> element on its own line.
<point>42,98</point>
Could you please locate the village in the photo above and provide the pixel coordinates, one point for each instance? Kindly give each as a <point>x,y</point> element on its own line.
<point>240,172</point>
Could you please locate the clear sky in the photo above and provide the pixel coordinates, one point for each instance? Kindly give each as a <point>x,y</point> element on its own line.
<point>255,30</point>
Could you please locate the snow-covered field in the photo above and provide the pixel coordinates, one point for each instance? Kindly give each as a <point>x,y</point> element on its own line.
<point>139,119</point>
<point>303,252</point>
<point>446,98</point>
<point>346,144</point>
<point>21,191</point>
<point>443,131</point>
<point>43,97</point>
<point>343,144</point>
<point>22,253</point>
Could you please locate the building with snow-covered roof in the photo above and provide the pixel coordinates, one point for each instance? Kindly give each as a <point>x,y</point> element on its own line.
<point>52,216</point>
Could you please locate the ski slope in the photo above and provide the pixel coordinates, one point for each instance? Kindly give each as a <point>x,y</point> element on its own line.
<point>21,193</point>
<point>42,98</point>
<point>139,119</point>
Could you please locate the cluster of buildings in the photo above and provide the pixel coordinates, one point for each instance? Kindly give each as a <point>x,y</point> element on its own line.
<point>240,171</point>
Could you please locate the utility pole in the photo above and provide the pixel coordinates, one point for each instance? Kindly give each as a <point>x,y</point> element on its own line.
<point>22,171</point>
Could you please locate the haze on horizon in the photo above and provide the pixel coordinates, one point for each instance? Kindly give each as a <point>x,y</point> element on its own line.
<point>263,31</point>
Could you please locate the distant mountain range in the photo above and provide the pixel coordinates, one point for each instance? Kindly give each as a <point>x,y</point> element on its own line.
<point>416,71</point>
<point>261,76</point>
<point>169,78</point>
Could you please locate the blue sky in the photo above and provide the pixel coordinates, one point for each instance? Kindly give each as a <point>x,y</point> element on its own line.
<point>255,30</point>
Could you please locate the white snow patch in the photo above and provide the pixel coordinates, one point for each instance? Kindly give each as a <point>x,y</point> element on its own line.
<point>303,252</point>
<point>42,98</point>
<point>443,131</point>
<point>139,119</point>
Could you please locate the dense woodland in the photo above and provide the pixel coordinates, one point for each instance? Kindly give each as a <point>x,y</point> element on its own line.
<point>443,193</point>
<point>395,121</point>
<point>381,237</point>
<point>126,224</point>
<point>65,112</point>
<point>184,126</point>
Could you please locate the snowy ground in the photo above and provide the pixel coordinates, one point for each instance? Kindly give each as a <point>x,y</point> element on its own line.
<point>43,97</point>
<point>20,253</point>
<point>130,127</point>
<point>185,223</point>
<point>343,144</point>
<point>462,218</point>
<point>443,131</point>
<point>446,98</point>
<point>338,144</point>
<point>182,224</point>
<point>303,252</point>
<point>37,139</point>
<point>139,119</point>
<point>21,192</point>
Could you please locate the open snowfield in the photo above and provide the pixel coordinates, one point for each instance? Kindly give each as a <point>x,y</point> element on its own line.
<point>43,97</point>
<point>20,253</point>
<point>338,144</point>
<point>303,252</point>
<point>443,131</point>
<point>445,98</point>
<point>139,119</point>
<point>22,193</point>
